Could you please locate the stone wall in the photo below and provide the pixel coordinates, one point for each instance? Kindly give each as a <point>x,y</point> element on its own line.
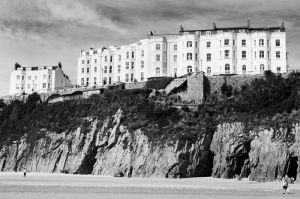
<point>135,85</point>
<point>195,88</point>
<point>236,81</point>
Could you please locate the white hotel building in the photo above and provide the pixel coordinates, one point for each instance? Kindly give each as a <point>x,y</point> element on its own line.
<point>41,79</point>
<point>230,50</point>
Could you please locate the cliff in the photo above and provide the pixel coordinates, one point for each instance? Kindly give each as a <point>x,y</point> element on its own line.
<point>110,147</point>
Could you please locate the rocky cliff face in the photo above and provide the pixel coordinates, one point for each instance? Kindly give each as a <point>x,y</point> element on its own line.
<point>108,147</point>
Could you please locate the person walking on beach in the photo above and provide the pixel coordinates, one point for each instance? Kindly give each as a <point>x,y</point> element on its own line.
<point>285,184</point>
<point>24,173</point>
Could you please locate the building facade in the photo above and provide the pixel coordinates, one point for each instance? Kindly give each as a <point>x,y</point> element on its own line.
<point>216,51</point>
<point>41,79</point>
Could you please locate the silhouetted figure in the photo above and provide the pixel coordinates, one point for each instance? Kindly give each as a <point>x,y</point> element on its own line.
<point>24,173</point>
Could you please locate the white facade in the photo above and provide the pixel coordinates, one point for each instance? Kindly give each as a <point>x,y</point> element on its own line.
<point>41,79</point>
<point>236,50</point>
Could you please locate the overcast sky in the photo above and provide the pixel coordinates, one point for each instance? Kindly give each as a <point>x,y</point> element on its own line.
<point>44,32</point>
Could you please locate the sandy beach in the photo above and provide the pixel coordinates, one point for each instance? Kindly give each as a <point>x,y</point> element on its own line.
<point>38,185</point>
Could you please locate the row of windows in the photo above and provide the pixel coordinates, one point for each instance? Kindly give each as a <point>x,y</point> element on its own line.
<point>244,54</point>
<point>244,43</point>
<point>244,69</point>
<point>35,77</point>
<point>111,68</point>
<point>189,44</point>
<point>29,86</point>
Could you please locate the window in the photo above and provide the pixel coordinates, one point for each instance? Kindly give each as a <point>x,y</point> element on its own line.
<point>126,77</point>
<point>157,71</point>
<point>208,44</point>
<point>88,70</point>
<point>119,57</point>
<point>142,76</point>
<point>175,47</point>
<point>109,80</point>
<point>95,80</point>
<point>110,69</point>
<point>254,42</point>
<point>208,71</point>
<point>111,58</point>
<point>278,69</point>
<point>175,58</point>
<point>189,56</point>
<point>164,57</point>
<point>244,54</point>
<point>208,57</point>
<point>104,80</point>
<point>132,65</point>
<point>189,44</point>
<point>244,69</point>
<point>119,68</point>
<point>268,42</point>
<point>142,53</point>
<point>227,69</point>
<point>277,54</point>
<point>189,69</point>
<point>29,77</point>
<point>95,69</point>
<point>157,57</point>
<point>95,61</point>
<point>105,69</point>
<point>262,69</point>
<point>88,61</point>
<point>49,77</point>
<point>261,54</point>
<point>28,86</point>
<point>44,77</point>
<point>226,42</point>
<point>49,85</point>
<point>244,42</point>
<point>18,77</point>
<point>164,47</point>
<point>142,64</point>
<point>261,42</point>
<point>277,42</point>
<point>105,58</point>
<point>17,86</point>
<point>233,42</point>
<point>132,77</point>
<point>132,54</point>
<point>87,81</point>
<point>226,54</point>
<point>175,72</point>
<point>196,44</point>
<point>82,61</point>
<point>44,85</point>
<point>127,55</point>
<point>127,65</point>
<point>119,79</point>
<point>35,77</point>
<point>157,47</point>
<point>196,56</point>
<point>82,81</point>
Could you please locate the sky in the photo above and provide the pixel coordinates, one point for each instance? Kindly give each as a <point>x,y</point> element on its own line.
<point>45,32</point>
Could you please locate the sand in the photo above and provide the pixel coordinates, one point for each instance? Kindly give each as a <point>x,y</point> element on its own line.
<point>58,186</point>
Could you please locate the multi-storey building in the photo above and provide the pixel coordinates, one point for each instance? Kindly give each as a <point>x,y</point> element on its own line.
<point>41,79</point>
<point>230,50</point>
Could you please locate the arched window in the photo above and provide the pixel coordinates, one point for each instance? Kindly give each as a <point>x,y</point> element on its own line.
<point>110,69</point>
<point>189,56</point>
<point>189,44</point>
<point>157,70</point>
<point>262,69</point>
<point>208,71</point>
<point>227,69</point>
<point>189,69</point>
<point>244,69</point>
